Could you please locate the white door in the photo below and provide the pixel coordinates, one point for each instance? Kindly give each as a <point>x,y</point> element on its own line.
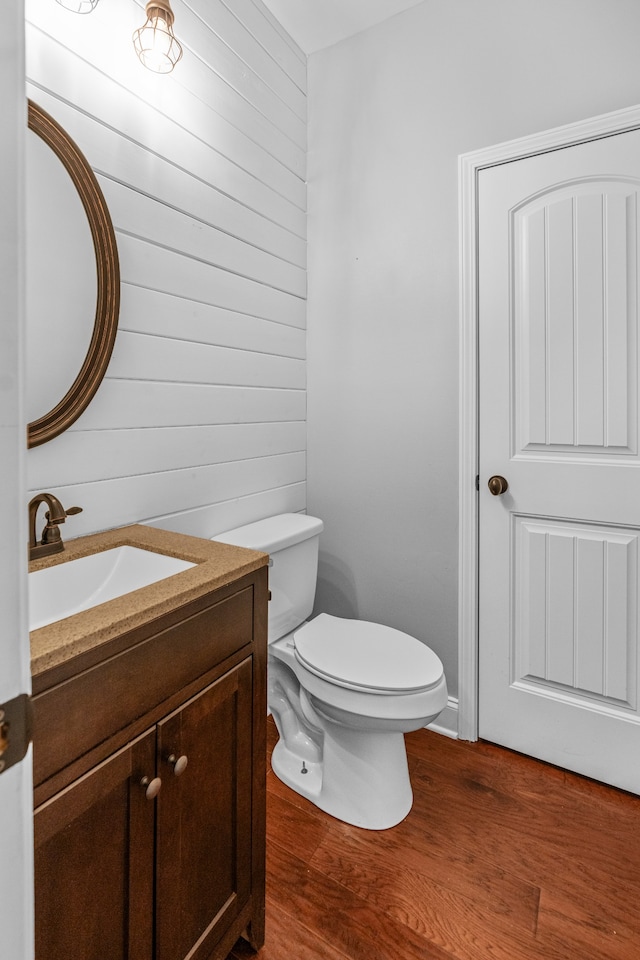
<point>559,570</point>
<point>16,798</point>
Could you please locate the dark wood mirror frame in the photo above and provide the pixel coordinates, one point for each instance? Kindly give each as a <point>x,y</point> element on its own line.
<point>105,325</point>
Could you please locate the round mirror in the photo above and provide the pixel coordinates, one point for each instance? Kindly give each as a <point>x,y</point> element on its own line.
<point>73,280</point>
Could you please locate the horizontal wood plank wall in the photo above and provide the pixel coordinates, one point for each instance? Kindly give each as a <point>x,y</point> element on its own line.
<point>199,424</point>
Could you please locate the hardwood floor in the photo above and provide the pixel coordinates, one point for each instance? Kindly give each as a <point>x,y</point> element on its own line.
<point>501,858</point>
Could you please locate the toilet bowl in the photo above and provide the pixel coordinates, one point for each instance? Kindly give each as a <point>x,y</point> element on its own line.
<point>342,692</point>
<point>354,765</point>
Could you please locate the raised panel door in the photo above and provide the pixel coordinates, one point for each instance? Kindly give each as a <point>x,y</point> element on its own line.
<point>559,236</point>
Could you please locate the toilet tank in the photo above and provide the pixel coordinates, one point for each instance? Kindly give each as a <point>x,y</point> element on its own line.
<point>291,540</point>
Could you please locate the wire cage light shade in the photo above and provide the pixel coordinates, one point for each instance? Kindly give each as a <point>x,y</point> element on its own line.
<point>79,6</point>
<point>155,42</point>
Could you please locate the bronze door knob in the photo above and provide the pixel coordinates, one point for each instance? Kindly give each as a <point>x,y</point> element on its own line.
<point>497,485</point>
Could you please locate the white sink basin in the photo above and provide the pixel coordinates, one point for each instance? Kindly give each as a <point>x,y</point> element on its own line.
<point>68,588</point>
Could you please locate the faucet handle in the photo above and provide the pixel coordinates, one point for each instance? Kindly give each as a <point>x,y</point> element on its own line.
<point>51,533</point>
<point>67,513</point>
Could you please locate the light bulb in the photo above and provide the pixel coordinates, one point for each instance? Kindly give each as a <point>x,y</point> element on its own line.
<point>154,42</point>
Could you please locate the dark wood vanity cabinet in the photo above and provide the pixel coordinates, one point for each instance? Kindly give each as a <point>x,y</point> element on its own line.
<point>203,847</point>
<point>123,873</point>
<point>94,843</point>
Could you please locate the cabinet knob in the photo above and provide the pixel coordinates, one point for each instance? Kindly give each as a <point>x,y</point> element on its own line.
<point>152,787</point>
<point>179,764</point>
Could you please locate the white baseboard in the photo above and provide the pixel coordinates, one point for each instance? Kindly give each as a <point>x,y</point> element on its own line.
<point>447,722</point>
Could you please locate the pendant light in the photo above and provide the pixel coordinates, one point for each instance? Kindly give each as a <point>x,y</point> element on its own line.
<point>79,6</point>
<point>154,42</point>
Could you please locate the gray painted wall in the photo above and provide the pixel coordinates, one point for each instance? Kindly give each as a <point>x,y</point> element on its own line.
<point>390,110</point>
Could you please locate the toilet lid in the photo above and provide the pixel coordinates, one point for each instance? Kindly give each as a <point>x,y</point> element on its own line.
<point>366,656</point>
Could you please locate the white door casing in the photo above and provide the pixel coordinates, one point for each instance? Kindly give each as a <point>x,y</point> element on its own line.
<point>16,795</point>
<point>588,541</point>
<point>558,400</point>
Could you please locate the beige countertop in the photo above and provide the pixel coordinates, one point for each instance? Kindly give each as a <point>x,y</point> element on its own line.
<point>216,564</point>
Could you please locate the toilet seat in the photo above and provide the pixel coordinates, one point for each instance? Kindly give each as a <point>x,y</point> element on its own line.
<point>368,657</point>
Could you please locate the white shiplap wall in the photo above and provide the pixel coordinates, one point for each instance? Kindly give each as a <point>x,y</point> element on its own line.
<point>199,424</point>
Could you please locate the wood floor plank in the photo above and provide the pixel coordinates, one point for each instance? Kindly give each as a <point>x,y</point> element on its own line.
<point>501,858</point>
<point>350,924</point>
<point>290,824</point>
<point>287,939</point>
<point>527,837</point>
<point>463,927</point>
<point>591,933</point>
<point>388,864</point>
<point>525,777</point>
<point>600,895</point>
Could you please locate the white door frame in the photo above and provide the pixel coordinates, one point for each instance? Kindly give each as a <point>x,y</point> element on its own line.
<point>16,790</point>
<point>469,165</point>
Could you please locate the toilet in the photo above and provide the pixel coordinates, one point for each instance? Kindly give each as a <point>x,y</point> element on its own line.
<point>342,692</point>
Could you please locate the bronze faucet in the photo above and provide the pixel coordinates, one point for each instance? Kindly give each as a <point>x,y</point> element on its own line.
<point>51,541</point>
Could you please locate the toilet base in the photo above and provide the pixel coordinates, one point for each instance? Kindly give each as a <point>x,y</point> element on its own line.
<point>303,776</point>
<point>362,778</point>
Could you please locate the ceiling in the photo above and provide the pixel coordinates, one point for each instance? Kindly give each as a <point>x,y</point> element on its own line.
<point>315,24</point>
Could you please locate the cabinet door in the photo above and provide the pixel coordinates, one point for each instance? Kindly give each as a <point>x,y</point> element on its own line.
<point>203,871</point>
<point>94,862</point>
